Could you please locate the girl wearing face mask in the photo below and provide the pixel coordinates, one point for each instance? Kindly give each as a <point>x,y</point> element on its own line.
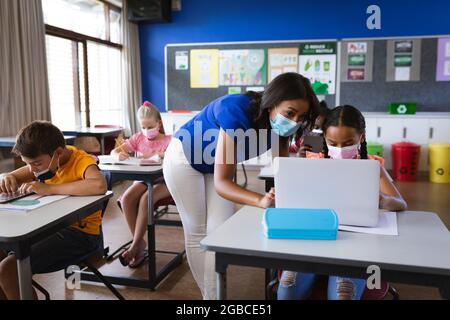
<point>202,158</point>
<point>344,132</point>
<point>149,142</point>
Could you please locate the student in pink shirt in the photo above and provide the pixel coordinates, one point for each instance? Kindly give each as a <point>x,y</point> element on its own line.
<point>149,142</point>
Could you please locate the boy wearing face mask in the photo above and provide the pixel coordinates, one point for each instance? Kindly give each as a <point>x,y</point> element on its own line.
<point>149,142</point>
<point>344,133</point>
<point>52,168</point>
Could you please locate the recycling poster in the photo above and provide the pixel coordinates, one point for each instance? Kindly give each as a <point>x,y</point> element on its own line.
<point>317,62</point>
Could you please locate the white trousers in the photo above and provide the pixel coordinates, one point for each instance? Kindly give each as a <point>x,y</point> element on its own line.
<point>201,209</point>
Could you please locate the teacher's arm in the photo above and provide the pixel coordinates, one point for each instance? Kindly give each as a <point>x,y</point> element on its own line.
<point>224,169</point>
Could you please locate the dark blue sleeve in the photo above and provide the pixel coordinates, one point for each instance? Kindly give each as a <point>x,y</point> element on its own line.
<point>234,112</point>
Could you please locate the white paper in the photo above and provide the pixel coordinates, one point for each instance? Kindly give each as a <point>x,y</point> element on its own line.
<point>275,72</point>
<point>31,202</point>
<point>447,50</point>
<point>387,225</point>
<point>402,73</point>
<point>181,60</point>
<point>447,68</point>
<point>256,89</point>
<point>155,160</point>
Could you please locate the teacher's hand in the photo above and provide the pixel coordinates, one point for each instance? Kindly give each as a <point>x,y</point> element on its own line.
<point>268,200</point>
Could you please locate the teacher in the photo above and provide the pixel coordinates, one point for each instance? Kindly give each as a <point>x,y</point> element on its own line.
<point>201,160</point>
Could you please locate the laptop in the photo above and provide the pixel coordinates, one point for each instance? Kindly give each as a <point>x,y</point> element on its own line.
<point>350,187</point>
<point>8,197</point>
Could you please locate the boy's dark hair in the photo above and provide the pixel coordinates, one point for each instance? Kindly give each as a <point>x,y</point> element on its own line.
<point>38,138</point>
<point>347,116</point>
<point>287,86</point>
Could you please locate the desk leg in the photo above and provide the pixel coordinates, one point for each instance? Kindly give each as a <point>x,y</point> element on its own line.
<point>102,145</point>
<point>151,239</point>
<point>221,278</point>
<point>221,285</point>
<point>25,282</point>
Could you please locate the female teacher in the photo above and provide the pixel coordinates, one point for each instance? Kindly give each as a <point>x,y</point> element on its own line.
<point>201,160</point>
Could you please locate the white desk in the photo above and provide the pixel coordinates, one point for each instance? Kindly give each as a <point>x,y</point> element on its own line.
<point>147,174</point>
<point>19,231</point>
<point>419,255</point>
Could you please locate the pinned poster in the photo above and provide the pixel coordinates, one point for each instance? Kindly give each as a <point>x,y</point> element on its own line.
<point>242,67</point>
<point>403,60</point>
<point>357,61</point>
<point>181,60</point>
<point>282,60</point>
<point>317,62</point>
<point>205,68</point>
<point>443,60</point>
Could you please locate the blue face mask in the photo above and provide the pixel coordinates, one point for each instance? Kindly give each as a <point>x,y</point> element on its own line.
<point>283,126</point>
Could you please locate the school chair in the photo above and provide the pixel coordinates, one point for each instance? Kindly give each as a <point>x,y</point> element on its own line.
<point>86,263</point>
<point>320,290</point>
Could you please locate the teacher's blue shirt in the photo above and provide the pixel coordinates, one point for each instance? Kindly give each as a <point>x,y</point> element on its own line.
<point>231,112</point>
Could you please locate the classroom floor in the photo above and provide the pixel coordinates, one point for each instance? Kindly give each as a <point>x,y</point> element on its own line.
<point>243,283</point>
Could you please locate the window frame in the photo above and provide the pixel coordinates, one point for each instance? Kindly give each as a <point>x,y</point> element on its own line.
<point>79,38</point>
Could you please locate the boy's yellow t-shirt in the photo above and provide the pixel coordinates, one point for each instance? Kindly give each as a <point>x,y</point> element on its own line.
<point>72,171</point>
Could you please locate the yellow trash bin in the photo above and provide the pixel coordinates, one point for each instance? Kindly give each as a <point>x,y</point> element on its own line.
<point>439,154</point>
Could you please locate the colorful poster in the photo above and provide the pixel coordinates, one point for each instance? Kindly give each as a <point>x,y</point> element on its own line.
<point>317,62</point>
<point>356,74</point>
<point>282,60</point>
<point>242,67</point>
<point>205,68</point>
<point>357,47</point>
<point>443,60</point>
<point>182,60</point>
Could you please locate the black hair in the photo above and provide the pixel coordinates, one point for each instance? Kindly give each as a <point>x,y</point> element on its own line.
<point>287,86</point>
<point>347,116</point>
<point>38,138</point>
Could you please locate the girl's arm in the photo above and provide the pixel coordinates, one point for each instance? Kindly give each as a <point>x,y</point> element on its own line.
<point>224,169</point>
<point>390,197</point>
<point>123,148</point>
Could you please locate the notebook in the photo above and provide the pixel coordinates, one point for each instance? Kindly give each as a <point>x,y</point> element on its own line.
<point>304,224</point>
<point>132,161</point>
<point>30,202</point>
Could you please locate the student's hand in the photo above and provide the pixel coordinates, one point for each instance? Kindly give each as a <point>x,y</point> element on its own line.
<point>161,154</point>
<point>123,156</point>
<point>8,184</point>
<point>37,187</point>
<point>268,200</point>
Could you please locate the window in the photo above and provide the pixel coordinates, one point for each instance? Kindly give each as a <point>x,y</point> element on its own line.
<point>84,62</point>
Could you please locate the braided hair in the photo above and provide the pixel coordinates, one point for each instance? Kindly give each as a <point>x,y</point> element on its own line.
<point>347,116</point>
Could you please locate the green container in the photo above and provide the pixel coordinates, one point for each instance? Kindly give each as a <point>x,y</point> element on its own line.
<point>374,148</point>
<point>403,108</point>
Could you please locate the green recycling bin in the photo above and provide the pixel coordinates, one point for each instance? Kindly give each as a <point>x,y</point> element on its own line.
<point>375,149</point>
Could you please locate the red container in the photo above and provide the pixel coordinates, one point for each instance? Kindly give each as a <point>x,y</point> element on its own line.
<point>405,161</point>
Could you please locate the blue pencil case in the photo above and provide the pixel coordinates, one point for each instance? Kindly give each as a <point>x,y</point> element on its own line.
<point>304,224</point>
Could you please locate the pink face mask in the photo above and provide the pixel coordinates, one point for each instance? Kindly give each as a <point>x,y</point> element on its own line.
<point>151,133</point>
<point>350,152</point>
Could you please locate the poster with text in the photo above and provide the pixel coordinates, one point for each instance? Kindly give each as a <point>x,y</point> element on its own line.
<point>205,68</point>
<point>282,60</point>
<point>317,62</point>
